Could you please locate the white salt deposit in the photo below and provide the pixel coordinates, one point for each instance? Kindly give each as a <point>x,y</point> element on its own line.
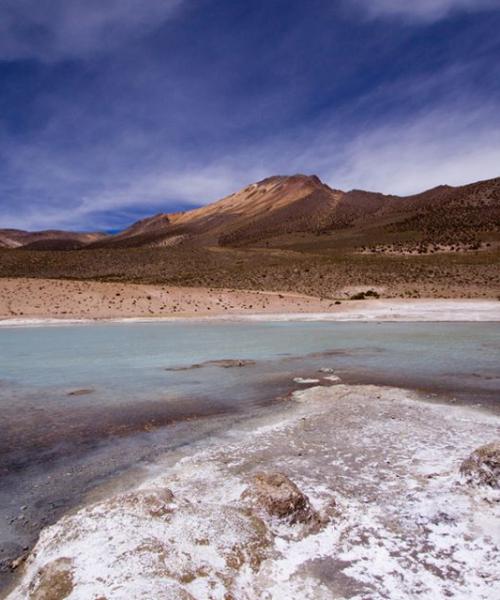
<point>392,310</point>
<point>332,378</point>
<point>380,467</point>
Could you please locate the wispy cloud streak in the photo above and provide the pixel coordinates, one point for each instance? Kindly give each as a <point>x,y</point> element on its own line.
<point>423,11</point>
<point>69,29</point>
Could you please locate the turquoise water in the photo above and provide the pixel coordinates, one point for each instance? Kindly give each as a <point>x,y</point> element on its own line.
<point>129,357</point>
<point>56,445</point>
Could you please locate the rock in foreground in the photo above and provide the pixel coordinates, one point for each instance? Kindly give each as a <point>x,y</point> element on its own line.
<point>280,497</point>
<point>483,466</point>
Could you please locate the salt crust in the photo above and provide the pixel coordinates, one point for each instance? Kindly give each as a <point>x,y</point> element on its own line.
<point>382,465</point>
<point>434,310</point>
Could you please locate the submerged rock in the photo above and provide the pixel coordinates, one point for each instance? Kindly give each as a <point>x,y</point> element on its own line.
<point>224,363</point>
<point>483,466</point>
<point>280,497</point>
<point>81,392</point>
<point>229,363</point>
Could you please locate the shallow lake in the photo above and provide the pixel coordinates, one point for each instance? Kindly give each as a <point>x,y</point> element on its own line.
<point>82,404</point>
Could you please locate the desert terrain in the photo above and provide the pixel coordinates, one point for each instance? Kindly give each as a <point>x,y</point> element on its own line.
<point>46,298</point>
<point>292,238</point>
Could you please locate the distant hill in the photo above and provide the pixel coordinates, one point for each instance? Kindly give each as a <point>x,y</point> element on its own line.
<point>46,240</point>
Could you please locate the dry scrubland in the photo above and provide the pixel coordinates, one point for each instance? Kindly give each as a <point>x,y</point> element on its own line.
<point>52,298</point>
<point>322,271</point>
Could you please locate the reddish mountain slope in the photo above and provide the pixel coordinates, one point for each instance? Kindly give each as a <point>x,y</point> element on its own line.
<point>272,206</point>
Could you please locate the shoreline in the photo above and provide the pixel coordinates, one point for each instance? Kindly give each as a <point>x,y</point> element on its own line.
<point>401,456</point>
<point>34,302</point>
<point>414,311</point>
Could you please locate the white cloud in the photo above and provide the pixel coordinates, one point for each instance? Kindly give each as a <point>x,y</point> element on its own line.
<point>443,146</point>
<point>158,189</point>
<point>420,10</point>
<point>191,186</point>
<point>60,29</point>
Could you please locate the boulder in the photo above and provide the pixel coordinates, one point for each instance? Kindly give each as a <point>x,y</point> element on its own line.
<point>281,498</point>
<point>483,466</point>
<point>54,581</point>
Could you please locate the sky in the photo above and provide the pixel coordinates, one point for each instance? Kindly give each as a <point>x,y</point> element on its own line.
<point>112,110</point>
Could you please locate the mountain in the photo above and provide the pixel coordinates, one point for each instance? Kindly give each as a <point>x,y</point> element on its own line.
<point>274,205</point>
<point>279,208</point>
<point>287,210</point>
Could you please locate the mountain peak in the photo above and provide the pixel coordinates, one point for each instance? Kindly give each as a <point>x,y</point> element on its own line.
<point>296,178</point>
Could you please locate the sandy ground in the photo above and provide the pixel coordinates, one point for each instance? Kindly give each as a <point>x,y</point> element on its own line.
<point>393,518</point>
<point>22,300</point>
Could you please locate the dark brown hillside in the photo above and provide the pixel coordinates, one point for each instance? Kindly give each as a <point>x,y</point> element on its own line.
<point>472,209</point>
<point>55,244</point>
<point>357,207</point>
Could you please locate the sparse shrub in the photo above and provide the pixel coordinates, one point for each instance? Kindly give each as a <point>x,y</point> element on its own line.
<point>358,296</point>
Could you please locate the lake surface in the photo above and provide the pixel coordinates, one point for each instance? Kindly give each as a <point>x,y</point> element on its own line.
<point>83,404</point>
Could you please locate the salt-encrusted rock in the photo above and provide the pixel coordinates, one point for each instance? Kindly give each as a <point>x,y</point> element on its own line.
<point>152,502</point>
<point>54,581</point>
<point>483,466</point>
<point>280,497</point>
<point>149,544</point>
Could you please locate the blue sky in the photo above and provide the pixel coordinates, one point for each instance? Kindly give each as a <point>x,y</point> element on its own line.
<point>111,110</point>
